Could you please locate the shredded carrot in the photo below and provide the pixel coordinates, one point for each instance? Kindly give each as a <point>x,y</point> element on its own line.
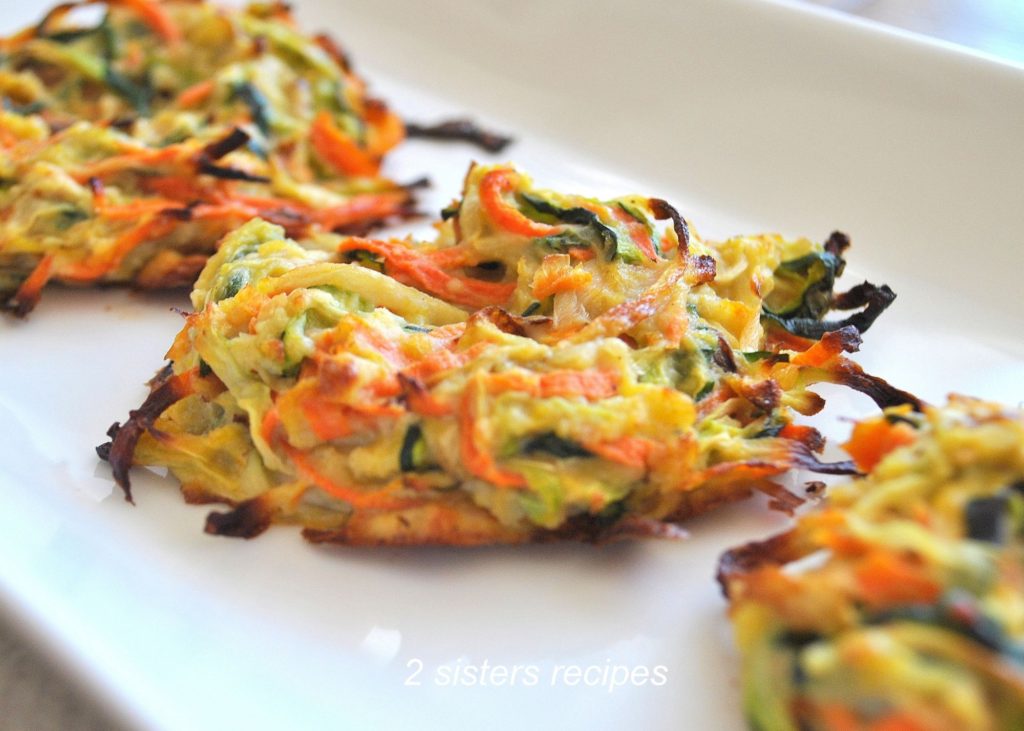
<point>837,717</point>
<point>385,129</point>
<point>156,17</point>
<point>426,404</point>
<point>737,473</point>
<point>25,35</point>
<point>779,339</point>
<point>185,382</point>
<point>134,210</point>
<point>557,275</point>
<point>334,421</point>
<point>384,499</point>
<point>176,187</point>
<point>592,385</point>
<point>339,150</point>
<point>625,316</point>
<point>144,159</point>
<point>30,289</point>
<point>581,253</point>
<point>296,216</point>
<point>373,500</point>
<point>669,242</point>
<point>439,360</point>
<point>7,138</point>
<point>800,433</point>
<point>386,387</point>
<point>98,265</point>
<point>376,341</point>
<point>260,201</point>
<point>366,207</point>
<point>828,528</point>
<point>898,721</point>
<point>328,421</point>
<point>820,353</point>
<point>515,380</point>
<point>418,270</point>
<point>493,188</point>
<point>271,419</point>
<point>475,457</point>
<point>453,257</point>
<point>871,440</point>
<point>227,210</point>
<point>629,451</point>
<point>638,232</point>
<point>196,94</point>
<point>888,579</point>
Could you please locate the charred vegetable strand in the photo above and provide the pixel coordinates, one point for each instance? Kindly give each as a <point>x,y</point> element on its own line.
<point>464,130</point>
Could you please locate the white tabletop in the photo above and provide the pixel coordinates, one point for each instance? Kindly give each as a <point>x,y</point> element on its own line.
<point>34,695</point>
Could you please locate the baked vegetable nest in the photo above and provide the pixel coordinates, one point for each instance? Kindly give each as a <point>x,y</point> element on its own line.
<point>308,389</point>
<point>900,603</point>
<point>131,144</point>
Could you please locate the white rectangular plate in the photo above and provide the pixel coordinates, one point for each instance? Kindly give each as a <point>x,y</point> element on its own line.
<point>748,116</point>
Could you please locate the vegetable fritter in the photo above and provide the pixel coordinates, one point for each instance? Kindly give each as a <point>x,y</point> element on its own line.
<point>900,604</point>
<point>130,146</point>
<point>371,402</point>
